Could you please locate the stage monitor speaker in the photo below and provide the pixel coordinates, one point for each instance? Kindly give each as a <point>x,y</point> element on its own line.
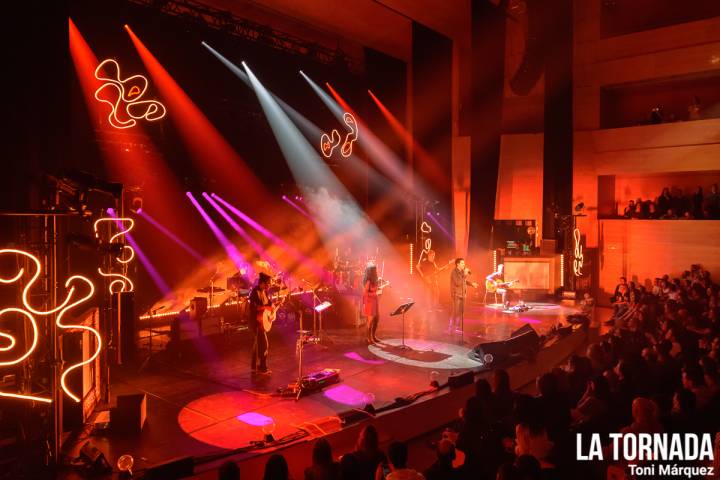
<point>523,330</point>
<point>457,381</point>
<point>130,414</point>
<point>176,468</point>
<point>523,342</point>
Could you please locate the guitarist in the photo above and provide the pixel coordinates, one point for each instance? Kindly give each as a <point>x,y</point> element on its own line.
<point>499,278</point>
<point>429,270</point>
<point>259,301</point>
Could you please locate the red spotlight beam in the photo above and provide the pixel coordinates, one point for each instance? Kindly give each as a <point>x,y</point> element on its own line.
<point>211,152</point>
<point>146,170</point>
<point>438,176</point>
<point>393,169</point>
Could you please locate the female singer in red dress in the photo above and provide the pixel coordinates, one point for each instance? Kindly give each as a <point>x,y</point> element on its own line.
<point>370,307</point>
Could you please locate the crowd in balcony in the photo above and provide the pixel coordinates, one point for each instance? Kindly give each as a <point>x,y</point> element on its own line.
<point>675,205</point>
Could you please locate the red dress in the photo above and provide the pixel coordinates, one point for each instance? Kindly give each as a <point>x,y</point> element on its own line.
<point>370,300</point>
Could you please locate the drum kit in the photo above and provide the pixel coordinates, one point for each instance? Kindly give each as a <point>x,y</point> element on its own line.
<point>348,276</point>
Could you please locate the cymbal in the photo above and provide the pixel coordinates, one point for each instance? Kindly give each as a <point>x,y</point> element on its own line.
<point>209,289</point>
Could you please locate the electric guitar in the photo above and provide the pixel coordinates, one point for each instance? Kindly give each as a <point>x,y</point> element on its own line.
<point>431,277</point>
<point>492,286</point>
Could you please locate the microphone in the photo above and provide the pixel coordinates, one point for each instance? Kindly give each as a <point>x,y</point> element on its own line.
<point>468,271</point>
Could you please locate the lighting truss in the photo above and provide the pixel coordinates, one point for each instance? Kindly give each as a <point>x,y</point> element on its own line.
<point>225,21</point>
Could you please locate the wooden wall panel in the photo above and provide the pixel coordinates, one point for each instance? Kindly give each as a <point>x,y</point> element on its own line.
<point>644,249</point>
<point>520,178</point>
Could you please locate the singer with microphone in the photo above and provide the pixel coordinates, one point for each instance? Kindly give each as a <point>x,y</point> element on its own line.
<point>458,291</point>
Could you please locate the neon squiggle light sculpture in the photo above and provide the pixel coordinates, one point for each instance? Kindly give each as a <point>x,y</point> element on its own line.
<point>126,285</point>
<point>578,254</point>
<point>120,220</point>
<point>33,345</point>
<point>328,143</point>
<point>63,308</point>
<point>128,93</point>
<point>30,284</point>
<point>28,316</point>
<point>60,324</point>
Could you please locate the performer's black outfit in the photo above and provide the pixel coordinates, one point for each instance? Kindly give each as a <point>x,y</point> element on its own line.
<point>258,300</point>
<point>458,291</point>
<point>430,272</point>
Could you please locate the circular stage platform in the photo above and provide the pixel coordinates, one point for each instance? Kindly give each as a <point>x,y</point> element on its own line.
<point>425,353</point>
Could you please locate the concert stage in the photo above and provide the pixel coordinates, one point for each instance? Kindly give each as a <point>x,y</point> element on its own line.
<point>204,402</point>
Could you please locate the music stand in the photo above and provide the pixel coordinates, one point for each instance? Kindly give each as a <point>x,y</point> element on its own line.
<point>320,308</point>
<point>402,310</point>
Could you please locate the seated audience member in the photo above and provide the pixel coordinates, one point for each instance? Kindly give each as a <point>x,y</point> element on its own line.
<point>594,404</point>
<point>694,380</point>
<point>587,304</point>
<point>276,468</point>
<point>619,303</point>
<point>229,470</point>
<point>443,468</point>
<point>712,202</point>
<point>533,441</point>
<point>483,392</point>
<point>323,466</point>
<point>528,468</point>
<point>652,212</point>
<point>669,215</point>
<point>697,202</point>
<point>678,201</point>
<point>350,468</point>
<point>630,210</point>
<point>684,417</point>
<point>553,407</point>
<point>368,453</point>
<point>640,209</point>
<point>664,202</point>
<point>645,415</point>
<point>503,396</point>
<point>396,468</point>
<point>478,441</point>
<point>621,281</point>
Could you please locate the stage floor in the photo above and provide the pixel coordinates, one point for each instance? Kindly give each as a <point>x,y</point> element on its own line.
<point>206,400</point>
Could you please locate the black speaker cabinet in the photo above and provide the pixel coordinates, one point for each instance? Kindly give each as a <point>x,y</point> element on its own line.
<point>130,414</point>
<point>523,343</point>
